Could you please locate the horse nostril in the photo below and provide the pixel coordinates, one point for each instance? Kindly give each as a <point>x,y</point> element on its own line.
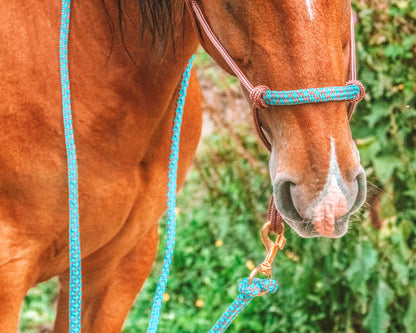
<point>284,200</point>
<point>361,182</point>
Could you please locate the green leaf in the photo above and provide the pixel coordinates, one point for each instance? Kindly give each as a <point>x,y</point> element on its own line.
<point>367,153</point>
<point>408,42</point>
<point>378,320</point>
<point>364,260</point>
<point>400,267</point>
<point>384,167</point>
<point>387,206</point>
<point>393,51</point>
<point>364,142</point>
<point>409,320</point>
<point>379,110</point>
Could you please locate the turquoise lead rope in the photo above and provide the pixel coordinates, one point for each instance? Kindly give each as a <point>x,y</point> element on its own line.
<point>247,291</point>
<point>171,197</point>
<point>75,276</point>
<point>246,295</point>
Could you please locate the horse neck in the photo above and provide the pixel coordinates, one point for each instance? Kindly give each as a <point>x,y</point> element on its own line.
<point>133,76</point>
<point>160,58</point>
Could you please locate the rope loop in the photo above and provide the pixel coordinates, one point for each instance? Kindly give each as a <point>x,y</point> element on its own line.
<point>257,287</point>
<point>247,293</point>
<point>361,94</point>
<point>256,96</point>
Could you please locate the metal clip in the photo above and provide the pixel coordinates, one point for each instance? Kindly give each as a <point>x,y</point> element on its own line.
<point>271,247</point>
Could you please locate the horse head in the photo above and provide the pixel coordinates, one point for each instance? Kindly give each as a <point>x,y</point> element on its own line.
<point>315,169</point>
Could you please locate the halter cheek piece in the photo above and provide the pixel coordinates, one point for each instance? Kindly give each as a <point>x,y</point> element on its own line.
<point>263,97</point>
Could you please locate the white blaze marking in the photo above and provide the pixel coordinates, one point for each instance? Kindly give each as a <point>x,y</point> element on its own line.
<point>332,207</point>
<point>334,204</point>
<point>309,4</point>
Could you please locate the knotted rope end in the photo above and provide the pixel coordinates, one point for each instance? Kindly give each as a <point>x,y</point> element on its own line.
<point>256,96</point>
<point>258,287</point>
<point>361,93</point>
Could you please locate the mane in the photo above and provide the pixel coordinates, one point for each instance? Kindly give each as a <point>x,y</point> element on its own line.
<point>159,16</point>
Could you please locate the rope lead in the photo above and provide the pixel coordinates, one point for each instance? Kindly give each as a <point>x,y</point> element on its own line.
<point>171,196</point>
<point>75,276</point>
<point>247,293</point>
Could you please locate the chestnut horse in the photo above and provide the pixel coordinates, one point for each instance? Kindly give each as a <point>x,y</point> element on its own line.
<point>126,59</point>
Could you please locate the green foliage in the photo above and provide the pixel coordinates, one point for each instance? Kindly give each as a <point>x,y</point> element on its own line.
<point>38,308</point>
<point>363,282</point>
<point>386,123</point>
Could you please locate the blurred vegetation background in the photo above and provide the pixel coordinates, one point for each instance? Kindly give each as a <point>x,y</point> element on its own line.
<point>363,282</point>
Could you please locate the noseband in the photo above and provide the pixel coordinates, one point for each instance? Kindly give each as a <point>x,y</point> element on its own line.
<point>263,97</point>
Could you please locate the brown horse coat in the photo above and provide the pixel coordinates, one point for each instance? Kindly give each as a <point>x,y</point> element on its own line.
<point>123,113</point>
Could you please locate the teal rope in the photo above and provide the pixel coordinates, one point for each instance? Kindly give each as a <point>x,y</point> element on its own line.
<point>171,196</point>
<point>247,294</point>
<point>311,95</point>
<point>75,276</point>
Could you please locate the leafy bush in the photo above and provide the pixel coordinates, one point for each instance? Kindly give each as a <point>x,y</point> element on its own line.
<point>359,283</point>
<point>38,311</point>
<point>385,124</point>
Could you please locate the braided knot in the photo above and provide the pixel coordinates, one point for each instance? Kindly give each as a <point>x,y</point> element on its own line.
<point>256,96</point>
<point>361,93</point>
<point>258,286</point>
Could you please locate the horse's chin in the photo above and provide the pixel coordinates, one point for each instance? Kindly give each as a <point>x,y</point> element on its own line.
<point>307,229</point>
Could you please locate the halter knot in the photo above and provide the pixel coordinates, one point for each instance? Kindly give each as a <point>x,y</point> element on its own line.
<point>361,94</point>
<point>257,287</point>
<point>256,96</point>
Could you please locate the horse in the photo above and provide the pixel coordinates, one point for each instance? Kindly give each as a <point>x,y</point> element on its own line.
<point>126,59</point>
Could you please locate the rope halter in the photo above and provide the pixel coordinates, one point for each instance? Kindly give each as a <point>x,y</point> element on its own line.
<point>257,96</point>
<point>263,97</point>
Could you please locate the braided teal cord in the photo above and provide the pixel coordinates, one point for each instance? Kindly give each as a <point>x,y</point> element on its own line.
<point>311,95</point>
<point>171,196</point>
<point>75,277</point>
<point>247,294</point>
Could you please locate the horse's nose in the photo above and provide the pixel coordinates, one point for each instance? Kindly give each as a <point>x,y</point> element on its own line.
<point>325,212</point>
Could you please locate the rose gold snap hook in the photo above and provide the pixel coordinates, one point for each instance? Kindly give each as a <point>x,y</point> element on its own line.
<point>271,247</point>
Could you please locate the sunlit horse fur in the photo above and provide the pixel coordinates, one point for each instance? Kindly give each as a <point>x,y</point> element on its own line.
<point>126,59</point>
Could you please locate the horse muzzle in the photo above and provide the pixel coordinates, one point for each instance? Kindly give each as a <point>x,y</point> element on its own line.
<point>328,214</point>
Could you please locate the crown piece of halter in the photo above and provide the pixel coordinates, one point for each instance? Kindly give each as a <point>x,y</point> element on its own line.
<point>263,97</point>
